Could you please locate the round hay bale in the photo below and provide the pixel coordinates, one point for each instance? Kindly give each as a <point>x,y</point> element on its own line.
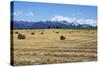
<point>32,33</point>
<point>62,37</point>
<point>21,36</point>
<point>42,33</point>
<point>57,32</point>
<point>16,32</point>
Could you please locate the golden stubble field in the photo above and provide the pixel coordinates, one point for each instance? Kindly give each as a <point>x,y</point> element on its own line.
<point>44,46</point>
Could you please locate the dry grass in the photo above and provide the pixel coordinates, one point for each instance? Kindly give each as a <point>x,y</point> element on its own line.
<point>79,46</point>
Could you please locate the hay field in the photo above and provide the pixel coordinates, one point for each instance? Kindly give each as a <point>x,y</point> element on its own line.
<point>43,46</point>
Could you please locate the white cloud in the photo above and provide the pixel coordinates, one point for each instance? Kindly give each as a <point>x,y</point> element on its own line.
<point>75,20</point>
<point>87,21</point>
<point>30,13</point>
<point>17,13</point>
<point>62,18</point>
<point>22,13</point>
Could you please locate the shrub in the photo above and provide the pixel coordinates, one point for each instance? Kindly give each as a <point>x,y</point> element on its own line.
<point>62,37</point>
<point>49,27</point>
<point>21,36</point>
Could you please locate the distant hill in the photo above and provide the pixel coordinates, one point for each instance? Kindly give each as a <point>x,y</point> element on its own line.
<point>48,25</point>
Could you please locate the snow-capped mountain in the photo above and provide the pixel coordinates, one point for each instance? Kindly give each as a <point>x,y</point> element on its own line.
<point>49,24</point>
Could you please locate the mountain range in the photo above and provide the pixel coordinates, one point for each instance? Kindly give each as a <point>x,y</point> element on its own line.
<point>48,24</point>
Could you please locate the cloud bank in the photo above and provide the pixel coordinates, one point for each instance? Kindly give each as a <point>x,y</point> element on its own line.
<point>75,20</point>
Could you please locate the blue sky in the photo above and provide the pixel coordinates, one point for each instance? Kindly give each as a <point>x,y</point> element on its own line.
<point>33,11</point>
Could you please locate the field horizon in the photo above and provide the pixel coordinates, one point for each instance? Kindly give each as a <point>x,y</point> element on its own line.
<point>43,46</point>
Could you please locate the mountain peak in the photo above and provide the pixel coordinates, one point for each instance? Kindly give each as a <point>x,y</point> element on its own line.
<point>49,24</point>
